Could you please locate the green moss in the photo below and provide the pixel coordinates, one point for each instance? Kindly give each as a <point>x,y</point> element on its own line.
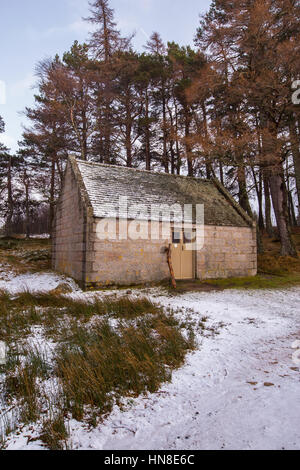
<point>258,282</point>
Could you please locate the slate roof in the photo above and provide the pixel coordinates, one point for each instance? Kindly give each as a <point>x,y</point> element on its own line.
<point>105,184</point>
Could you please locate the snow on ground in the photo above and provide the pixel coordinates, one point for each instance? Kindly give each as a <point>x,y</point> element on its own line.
<point>42,236</point>
<point>239,390</point>
<point>31,282</point>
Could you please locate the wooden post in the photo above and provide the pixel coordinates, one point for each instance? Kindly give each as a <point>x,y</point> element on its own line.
<point>171,266</point>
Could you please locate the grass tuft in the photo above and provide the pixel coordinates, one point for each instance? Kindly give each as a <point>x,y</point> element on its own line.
<point>54,433</point>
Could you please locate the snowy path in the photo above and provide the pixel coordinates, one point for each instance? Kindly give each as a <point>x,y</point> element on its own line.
<point>210,405</point>
<point>222,398</point>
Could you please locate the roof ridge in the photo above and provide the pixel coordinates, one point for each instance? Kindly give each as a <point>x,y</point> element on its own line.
<point>106,165</point>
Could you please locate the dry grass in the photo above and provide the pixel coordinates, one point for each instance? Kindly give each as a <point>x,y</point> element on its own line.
<point>103,351</point>
<point>54,433</point>
<point>21,382</point>
<point>26,255</point>
<point>272,263</point>
<point>100,364</point>
<point>18,314</point>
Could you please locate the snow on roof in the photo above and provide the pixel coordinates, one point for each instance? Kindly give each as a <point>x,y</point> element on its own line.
<point>106,184</point>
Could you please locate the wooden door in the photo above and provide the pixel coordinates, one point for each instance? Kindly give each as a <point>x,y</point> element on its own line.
<point>187,256</point>
<point>182,255</point>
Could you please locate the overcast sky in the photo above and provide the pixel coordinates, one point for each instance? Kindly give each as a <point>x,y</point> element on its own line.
<point>31,30</point>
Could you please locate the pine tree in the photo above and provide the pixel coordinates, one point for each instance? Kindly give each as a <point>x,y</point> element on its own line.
<point>49,134</point>
<point>105,42</point>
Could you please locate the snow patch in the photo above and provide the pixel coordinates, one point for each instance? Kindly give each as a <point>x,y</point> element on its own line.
<point>33,282</point>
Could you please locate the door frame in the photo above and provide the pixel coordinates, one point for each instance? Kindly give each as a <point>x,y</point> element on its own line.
<point>194,252</point>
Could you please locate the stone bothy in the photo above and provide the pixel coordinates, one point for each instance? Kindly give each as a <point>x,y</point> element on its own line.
<point>106,231</point>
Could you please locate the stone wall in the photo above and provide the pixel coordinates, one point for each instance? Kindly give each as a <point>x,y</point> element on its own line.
<point>227,252</point>
<point>69,230</point>
<point>127,262</point>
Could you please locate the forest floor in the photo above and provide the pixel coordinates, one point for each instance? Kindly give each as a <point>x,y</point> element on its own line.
<point>191,369</point>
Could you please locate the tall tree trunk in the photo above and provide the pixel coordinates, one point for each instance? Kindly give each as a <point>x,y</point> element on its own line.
<point>279,199</point>
<point>147,133</point>
<point>10,202</point>
<point>294,138</point>
<point>243,193</point>
<point>187,144</point>
<point>208,166</point>
<point>292,213</point>
<point>258,187</point>
<point>172,154</point>
<point>107,135</point>
<point>52,194</point>
<point>291,210</point>
<point>268,218</point>
<point>165,153</point>
<point>171,142</point>
<point>27,208</point>
<point>128,142</point>
<point>84,136</point>
<point>277,187</point>
<point>84,123</point>
<point>221,173</point>
<point>178,152</point>
<point>260,246</point>
<point>128,147</point>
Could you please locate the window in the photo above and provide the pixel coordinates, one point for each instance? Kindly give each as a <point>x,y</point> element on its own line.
<point>188,237</point>
<point>176,237</point>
